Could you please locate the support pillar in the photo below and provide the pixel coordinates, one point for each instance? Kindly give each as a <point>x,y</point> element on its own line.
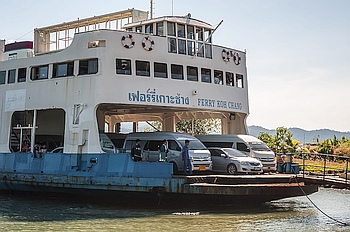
<point>169,123</point>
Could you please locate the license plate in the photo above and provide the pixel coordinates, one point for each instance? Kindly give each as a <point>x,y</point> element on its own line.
<point>257,169</point>
<point>202,168</point>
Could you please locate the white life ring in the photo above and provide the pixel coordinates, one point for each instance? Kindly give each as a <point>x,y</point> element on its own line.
<point>236,58</point>
<point>147,43</point>
<point>125,43</point>
<point>225,55</point>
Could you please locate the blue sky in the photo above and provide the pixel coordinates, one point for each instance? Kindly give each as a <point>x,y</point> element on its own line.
<point>297,50</point>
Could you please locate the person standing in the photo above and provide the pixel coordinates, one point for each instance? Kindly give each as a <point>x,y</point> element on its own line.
<point>164,150</point>
<point>186,158</point>
<point>136,151</point>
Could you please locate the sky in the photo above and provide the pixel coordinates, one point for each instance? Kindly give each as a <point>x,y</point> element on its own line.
<point>297,50</point>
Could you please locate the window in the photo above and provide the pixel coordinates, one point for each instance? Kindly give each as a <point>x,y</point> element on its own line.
<point>229,79</point>
<point>200,50</point>
<point>206,75</point>
<point>11,75</point>
<point>177,72</point>
<point>172,145</point>
<point>218,75</point>
<point>192,73</point>
<point>199,34</point>
<point>142,68</point>
<point>139,29</point>
<point>207,33</point>
<point>129,29</point>
<point>182,46</point>
<point>22,75</point>
<point>191,48</point>
<point>160,70</point>
<point>40,72</point>
<point>123,66</point>
<point>171,29</point>
<point>190,32</point>
<point>149,28</point>
<point>208,53</point>
<point>88,66</point>
<point>172,45</point>
<point>239,80</point>
<point>242,147</point>
<point>153,145</point>
<point>2,77</point>
<point>160,29</point>
<point>181,30</point>
<point>63,69</point>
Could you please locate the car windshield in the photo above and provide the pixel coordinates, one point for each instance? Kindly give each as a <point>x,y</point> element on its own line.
<point>256,146</point>
<point>194,145</point>
<point>235,153</point>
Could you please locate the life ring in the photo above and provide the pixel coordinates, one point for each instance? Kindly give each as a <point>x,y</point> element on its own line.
<point>131,41</point>
<point>147,43</point>
<point>236,58</point>
<point>225,55</point>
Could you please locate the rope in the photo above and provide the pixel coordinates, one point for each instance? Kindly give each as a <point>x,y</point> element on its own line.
<point>340,222</point>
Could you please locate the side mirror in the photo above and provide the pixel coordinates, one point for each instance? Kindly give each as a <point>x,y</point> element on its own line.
<point>223,155</point>
<point>178,148</point>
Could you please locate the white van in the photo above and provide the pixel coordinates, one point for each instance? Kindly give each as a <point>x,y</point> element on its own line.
<point>248,144</point>
<point>151,142</point>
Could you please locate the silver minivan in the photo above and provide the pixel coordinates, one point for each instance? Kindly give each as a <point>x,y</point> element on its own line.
<point>151,142</point>
<point>248,144</point>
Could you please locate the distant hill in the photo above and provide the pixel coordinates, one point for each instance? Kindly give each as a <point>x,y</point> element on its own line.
<point>301,135</point>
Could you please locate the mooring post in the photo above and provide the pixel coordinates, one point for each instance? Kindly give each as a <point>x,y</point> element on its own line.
<point>303,164</point>
<point>324,166</point>
<point>346,171</point>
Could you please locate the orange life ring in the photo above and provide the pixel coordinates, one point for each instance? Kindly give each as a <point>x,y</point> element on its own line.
<point>147,43</point>
<point>236,58</point>
<point>225,55</point>
<point>131,41</point>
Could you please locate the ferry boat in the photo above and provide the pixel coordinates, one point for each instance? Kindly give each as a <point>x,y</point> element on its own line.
<point>63,88</point>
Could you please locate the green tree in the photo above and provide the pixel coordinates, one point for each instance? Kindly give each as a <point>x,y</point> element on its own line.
<point>267,138</point>
<point>201,126</point>
<point>283,140</point>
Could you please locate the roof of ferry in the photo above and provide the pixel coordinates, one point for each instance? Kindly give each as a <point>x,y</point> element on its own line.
<point>176,19</point>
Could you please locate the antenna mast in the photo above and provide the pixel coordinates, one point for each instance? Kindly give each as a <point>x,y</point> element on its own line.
<point>151,9</point>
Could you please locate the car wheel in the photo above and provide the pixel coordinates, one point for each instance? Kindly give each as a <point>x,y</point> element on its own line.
<point>175,169</point>
<point>231,169</point>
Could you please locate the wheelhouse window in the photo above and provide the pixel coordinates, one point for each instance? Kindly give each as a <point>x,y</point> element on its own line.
<point>182,46</point>
<point>160,70</point>
<point>207,37</point>
<point>200,50</point>
<point>123,66</point>
<point>190,32</point>
<point>229,79</point>
<point>191,48</point>
<point>208,52</point>
<point>149,28</point>
<point>142,68</point>
<point>40,72</point>
<point>11,76</point>
<point>139,29</point>
<point>172,45</point>
<point>22,75</point>
<point>177,72</point>
<point>206,75</point>
<point>2,77</point>
<point>171,29</point>
<point>239,80</point>
<point>160,29</point>
<point>181,30</point>
<point>199,34</point>
<point>63,69</point>
<point>192,73</point>
<point>89,66</point>
<point>218,75</point>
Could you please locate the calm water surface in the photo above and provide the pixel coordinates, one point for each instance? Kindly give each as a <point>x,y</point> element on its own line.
<point>293,214</point>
